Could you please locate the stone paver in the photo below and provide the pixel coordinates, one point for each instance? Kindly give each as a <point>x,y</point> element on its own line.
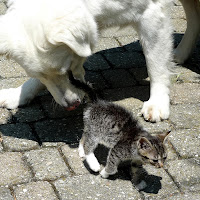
<point>13,169</point>
<point>39,142</point>
<point>35,191</point>
<point>185,172</point>
<point>185,115</point>
<point>5,116</point>
<point>10,69</point>
<point>94,187</point>
<point>71,154</point>
<point>159,184</point>
<point>116,78</point>
<point>28,114</point>
<point>62,130</point>
<point>47,164</point>
<point>126,59</point>
<point>182,140</point>
<point>18,137</point>
<point>5,194</point>
<point>185,93</point>
<point>96,62</point>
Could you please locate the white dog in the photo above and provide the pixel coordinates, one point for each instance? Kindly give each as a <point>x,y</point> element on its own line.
<point>47,38</point>
<point>187,44</point>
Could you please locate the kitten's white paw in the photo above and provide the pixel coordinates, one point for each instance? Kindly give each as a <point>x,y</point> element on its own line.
<point>141,185</point>
<point>156,109</point>
<point>93,162</point>
<point>104,174</point>
<point>81,150</point>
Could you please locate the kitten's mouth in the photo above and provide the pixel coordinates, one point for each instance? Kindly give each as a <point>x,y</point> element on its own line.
<point>159,165</point>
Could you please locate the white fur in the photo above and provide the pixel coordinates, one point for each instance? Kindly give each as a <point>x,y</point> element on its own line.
<point>104,174</point>
<point>47,38</point>
<point>187,44</point>
<point>81,150</point>
<point>92,162</point>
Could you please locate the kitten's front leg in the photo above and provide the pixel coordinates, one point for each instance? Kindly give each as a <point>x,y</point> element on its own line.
<point>93,162</point>
<point>137,173</point>
<point>113,161</point>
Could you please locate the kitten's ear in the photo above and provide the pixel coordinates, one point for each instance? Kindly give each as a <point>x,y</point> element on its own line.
<point>144,144</point>
<point>162,136</point>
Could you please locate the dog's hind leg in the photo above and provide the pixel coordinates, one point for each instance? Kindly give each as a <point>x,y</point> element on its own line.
<point>187,44</point>
<point>156,38</point>
<point>13,97</point>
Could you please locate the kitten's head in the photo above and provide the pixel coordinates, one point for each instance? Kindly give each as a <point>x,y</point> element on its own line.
<point>152,150</point>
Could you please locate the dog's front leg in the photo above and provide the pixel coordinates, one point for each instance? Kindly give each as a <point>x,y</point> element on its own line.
<point>187,44</point>
<point>13,97</point>
<point>156,38</point>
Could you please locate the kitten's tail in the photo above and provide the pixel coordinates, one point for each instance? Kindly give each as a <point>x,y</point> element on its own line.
<point>85,86</point>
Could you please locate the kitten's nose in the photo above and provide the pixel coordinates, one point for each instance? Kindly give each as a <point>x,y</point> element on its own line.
<point>160,164</point>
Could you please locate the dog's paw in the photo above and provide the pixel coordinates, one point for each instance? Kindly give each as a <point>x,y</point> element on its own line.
<point>155,110</point>
<point>93,162</point>
<point>10,98</point>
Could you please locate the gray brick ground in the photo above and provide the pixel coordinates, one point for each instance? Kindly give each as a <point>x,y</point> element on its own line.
<point>119,78</point>
<point>10,69</point>
<point>35,191</point>
<point>185,93</point>
<point>13,169</point>
<point>126,59</point>
<point>185,115</point>
<point>54,169</point>
<point>185,172</point>
<point>5,194</point>
<point>106,43</point>
<point>63,130</point>
<point>71,154</point>
<point>97,80</point>
<point>18,137</point>
<point>96,62</point>
<point>28,114</point>
<point>47,164</point>
<point>138,92</point>
<point>140,75</point>
<point>12,82</point>
<point>182,140</point>
<point>185,75</point>
<point>186,196</point>
<point>159,184</point>
<point>83,187</point>
<point>5,116</point>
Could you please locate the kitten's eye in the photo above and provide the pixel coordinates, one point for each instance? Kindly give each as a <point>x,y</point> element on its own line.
<point>155,160</point>
<point>145,157</point>
<point>165,158</point>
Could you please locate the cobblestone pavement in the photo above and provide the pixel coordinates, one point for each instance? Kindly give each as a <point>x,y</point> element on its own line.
<point>38,148</point>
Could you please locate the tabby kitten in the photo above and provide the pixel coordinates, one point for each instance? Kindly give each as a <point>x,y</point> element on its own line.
<point>113,126</point>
